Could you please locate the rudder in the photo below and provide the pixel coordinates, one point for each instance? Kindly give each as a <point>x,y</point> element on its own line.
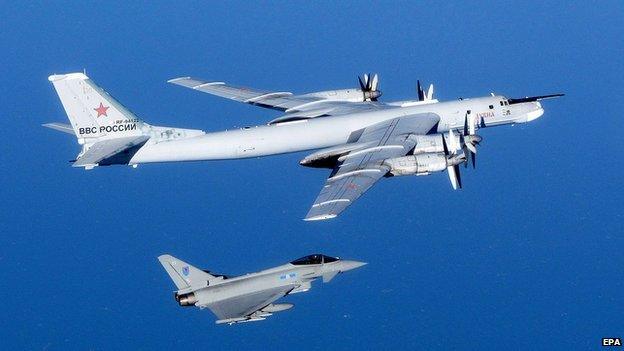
<point>93,113</point>
<point>184,275</point>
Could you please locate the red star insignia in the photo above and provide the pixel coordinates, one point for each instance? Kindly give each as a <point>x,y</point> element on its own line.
<point>101,110</point>
<point>352,186</point>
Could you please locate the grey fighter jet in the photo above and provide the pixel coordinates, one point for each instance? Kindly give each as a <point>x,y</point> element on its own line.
<point>359,138</point>
<point>250,297</point>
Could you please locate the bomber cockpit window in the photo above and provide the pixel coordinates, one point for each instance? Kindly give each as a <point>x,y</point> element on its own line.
<point>312,259</point>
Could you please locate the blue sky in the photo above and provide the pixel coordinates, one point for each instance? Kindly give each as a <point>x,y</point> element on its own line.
<point>527,255</point>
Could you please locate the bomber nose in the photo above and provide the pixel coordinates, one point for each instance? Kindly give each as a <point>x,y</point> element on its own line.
<point>349,265</point>
<point>536,113</point>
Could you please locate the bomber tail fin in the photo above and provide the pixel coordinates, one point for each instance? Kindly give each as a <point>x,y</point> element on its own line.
<point>93,113</point>
<point>185,276</point>
<point>101,124</point>
<point>108,132</point>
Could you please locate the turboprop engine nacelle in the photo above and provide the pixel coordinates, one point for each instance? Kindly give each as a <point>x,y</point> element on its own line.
<point>420,164</point>
<point>352,95</point>
<point>428,144</point>
<point>434,144</point>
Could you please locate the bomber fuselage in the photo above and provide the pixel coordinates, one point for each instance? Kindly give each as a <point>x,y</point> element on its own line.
<point>322,132</point>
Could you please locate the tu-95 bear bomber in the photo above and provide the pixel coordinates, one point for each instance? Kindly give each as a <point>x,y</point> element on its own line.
<point>358,137</point>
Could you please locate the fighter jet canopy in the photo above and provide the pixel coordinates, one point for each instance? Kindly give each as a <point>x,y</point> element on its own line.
<point>313,259</point>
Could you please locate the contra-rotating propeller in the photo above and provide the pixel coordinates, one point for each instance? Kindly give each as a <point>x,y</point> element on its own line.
<point>369,85</point>
<point>470,140</point>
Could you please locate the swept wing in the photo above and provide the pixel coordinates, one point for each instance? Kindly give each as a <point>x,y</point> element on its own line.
<point>295,107</point>
<point>357,170</point>
<point>275,100</point>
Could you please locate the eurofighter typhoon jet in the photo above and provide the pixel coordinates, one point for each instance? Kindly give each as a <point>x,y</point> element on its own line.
<point>356,136</point>
<point>250,297</point>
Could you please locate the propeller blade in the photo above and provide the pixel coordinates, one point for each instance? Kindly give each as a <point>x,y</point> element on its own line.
<point>367,81</point>
<point>444,146</point>
<point>471,147</point>
<point>464,149</point>
<point>362,86</point>
<point>454,176</point>
<point>452,142</point>
<point>482,123</point>
<point>375,82</point>
<point>466,124</point>
<point>473,158</point>
<point>421,93</point>
<point>430,92</point>
<point>471,125</point>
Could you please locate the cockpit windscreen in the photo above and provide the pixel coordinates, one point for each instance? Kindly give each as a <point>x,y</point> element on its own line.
<point>313,259</point>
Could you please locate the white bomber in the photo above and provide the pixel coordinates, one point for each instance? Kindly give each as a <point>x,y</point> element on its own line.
<point>361,139</point>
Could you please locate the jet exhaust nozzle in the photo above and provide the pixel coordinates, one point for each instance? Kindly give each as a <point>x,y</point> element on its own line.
<point>186,300</point>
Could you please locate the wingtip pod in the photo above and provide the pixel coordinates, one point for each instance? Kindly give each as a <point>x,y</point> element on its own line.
<point>68,76</point>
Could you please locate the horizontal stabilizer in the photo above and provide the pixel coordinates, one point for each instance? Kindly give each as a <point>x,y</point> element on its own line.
<point>104,149</point>
<point>61,127</point>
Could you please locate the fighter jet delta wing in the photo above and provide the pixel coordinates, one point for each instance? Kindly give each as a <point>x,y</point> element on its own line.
<point>358,169</point>
<point>250,307</point>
